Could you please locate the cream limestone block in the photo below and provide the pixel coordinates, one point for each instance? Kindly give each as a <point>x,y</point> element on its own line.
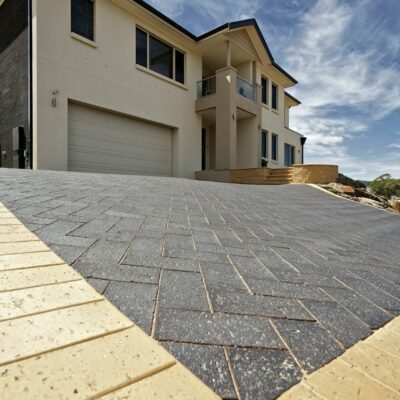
<point>25,337</point>
<point>376,363</point>
<point>8,229</point>
<point>29,260</point>
<point>394,326</point>
<point>86,370</point>
<point>385,340</point>
<point>9,221</point>
<point>24,247</point>
<point>45,298</point>
<point>4,213</point>
<point>31,277</point>
<point>338,381</point>
<point>17,237</point>
<point>299,392</point>
<point>174,383</point>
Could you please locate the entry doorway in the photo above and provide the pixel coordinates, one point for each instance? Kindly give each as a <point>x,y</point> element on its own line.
<point>289,155</point>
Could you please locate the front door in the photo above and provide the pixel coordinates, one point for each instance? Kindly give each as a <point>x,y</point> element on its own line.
<point>289,155</point>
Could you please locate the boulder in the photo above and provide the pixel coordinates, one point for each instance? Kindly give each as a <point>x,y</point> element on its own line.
<point>339,188</point>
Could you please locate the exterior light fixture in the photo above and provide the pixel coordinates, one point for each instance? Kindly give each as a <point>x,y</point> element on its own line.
<point>54,99</point>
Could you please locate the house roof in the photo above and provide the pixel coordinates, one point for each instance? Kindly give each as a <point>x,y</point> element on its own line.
<point>298,102</point>
<point>227,26</point>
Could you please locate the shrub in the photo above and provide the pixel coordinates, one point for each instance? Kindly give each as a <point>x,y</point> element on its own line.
<point>386,186</point>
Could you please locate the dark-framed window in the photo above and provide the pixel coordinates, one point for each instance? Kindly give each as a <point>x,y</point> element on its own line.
<point>274,96</point>
<point>160,57</point>
<point>179,67</point>
<point>264,144</point>
<point>141,47</point>
<point>274,147</point>
<point>82,18</point>
<point>264,90</point>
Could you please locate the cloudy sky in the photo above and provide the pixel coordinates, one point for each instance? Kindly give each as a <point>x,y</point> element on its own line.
<point>345,55</point>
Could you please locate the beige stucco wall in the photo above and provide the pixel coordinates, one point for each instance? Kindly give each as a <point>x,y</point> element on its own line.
<point>273,121</point>
<point>106,76</point>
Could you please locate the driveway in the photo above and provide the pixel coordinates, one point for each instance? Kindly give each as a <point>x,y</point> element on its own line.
<point>251,287</point>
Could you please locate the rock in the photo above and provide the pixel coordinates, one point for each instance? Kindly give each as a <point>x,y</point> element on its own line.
<point>395,204</point>
<point>370,202</point>
<point>345,180</point>
<point>339,188</point>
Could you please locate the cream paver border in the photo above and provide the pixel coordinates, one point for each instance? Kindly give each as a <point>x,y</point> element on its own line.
<point>60,339</point>
<point>370,370</point>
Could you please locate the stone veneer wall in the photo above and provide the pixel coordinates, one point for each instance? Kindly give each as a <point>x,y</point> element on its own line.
<point>315,173</point>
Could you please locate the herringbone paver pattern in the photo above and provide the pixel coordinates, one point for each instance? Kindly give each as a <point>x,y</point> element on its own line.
<point>251,287</point>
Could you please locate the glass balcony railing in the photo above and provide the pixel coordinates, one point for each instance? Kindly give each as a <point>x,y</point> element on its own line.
<point>207,87</point>
<point>246,89</point>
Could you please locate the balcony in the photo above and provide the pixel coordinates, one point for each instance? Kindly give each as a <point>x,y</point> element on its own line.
<point>245,89</point>
<point>207,87</point>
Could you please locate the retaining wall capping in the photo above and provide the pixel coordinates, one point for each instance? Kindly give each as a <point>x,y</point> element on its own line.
<point>299,173</point>
<point>315,173</point>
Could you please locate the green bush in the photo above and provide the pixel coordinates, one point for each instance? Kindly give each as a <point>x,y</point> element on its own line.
<point>386,186</point>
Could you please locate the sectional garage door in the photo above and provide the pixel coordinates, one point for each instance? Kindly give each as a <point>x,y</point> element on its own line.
<point>100,141</point>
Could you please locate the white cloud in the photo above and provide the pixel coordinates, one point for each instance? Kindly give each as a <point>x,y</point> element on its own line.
<point>343,90</point>
<point>218,11</point>
<point>394,145</point>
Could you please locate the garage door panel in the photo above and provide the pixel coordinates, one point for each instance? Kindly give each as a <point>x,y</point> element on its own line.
<point>103,142</point>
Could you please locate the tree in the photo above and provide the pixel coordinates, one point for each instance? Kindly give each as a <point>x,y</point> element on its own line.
<point>386,186</point>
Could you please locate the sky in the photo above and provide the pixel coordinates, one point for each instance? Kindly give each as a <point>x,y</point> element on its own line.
<point>345,55</point>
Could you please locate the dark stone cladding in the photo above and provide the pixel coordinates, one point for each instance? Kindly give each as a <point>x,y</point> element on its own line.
<point>13,73</point>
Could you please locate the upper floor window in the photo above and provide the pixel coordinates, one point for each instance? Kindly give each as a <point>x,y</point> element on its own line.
<point>264,90</point>
<point>82,18</point>
<point>160,57</point>
<point>274,147</point>
<point>274,96</point>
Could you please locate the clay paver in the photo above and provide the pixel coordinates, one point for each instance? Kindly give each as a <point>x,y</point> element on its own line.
<point>256,255</point>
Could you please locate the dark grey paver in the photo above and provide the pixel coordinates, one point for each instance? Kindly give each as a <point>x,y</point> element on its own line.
<point>68,253</point>
<point>160,262</point>
<point>222,277</point>
<point>135,300</point>
<point>242,303</point>
<point>115,272</point>
<point>342,324</point>
<point>252,268</point>
<point>208,363</point>
<point>367,311</point>
<point>99,284</point>
<point>310,344</point>
<point>263,374</point>
<point>216,329</point>
<point>183,290</point>
<point>281,289</point>
<point>373,293</point>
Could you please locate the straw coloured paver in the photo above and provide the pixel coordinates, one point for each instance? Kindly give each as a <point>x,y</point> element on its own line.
<point>60,339</point>
<point>253,288</point>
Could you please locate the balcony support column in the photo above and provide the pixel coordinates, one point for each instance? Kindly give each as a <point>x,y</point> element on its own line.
<point>226,120</point>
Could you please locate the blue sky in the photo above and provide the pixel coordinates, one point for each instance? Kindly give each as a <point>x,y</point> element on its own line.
<point>345,55</point>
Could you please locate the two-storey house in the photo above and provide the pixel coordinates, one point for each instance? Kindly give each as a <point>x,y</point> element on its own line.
<point>114,86</point>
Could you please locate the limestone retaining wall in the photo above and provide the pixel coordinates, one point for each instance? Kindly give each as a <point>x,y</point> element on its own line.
<point>315,173</point>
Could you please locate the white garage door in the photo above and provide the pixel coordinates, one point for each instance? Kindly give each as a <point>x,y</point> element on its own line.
<point>104,142</point>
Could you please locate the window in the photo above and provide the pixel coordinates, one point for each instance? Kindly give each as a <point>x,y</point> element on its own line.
<point>264,144</point>
<point>141,48</point>
<point>160,57</point>
<point>179,67</point>
<point>82,18</point>
<point>274,96</point>
<point>264,90</point>
<point>274,147</point>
